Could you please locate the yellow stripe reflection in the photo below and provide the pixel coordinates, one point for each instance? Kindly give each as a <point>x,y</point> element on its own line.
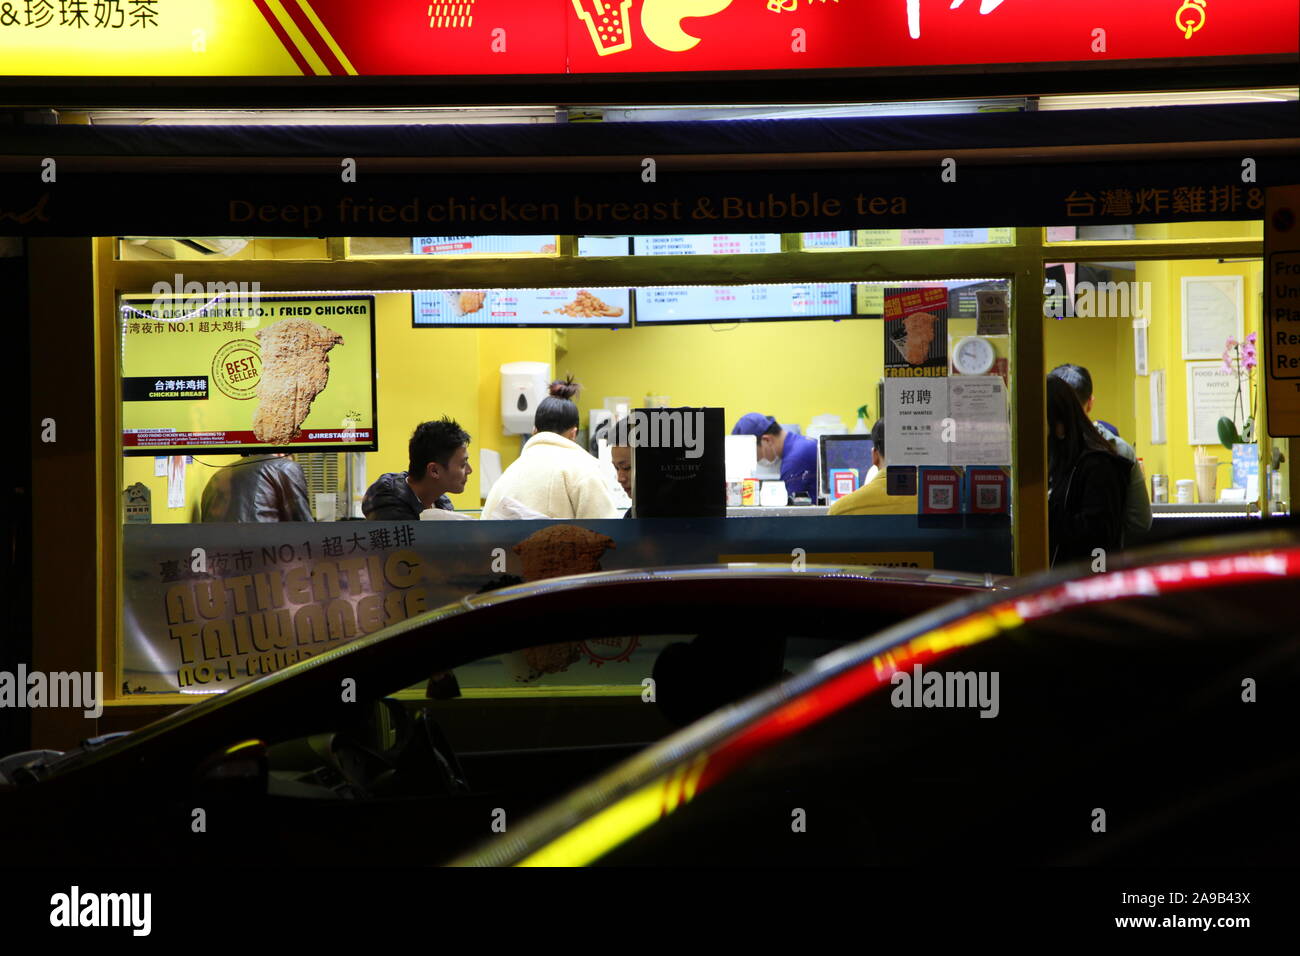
<point>618,823</point>
<point>329,40</point>
<point>300,41</point>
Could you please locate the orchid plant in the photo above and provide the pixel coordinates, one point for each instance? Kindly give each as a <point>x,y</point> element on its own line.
<point>1240,359</point>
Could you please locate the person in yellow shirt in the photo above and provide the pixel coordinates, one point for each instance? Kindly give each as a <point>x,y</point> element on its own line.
<point>871,498</point>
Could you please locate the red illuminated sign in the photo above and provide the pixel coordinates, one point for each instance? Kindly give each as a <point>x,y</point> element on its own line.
<point>485,37</point>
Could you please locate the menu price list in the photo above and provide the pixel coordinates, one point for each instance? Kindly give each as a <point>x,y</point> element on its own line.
<point>715,245</point>
<point>522,307</point>
<point>733,303</point>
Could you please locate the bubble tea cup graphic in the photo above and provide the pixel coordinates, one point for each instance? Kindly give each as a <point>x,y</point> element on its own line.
<point>607,22</point>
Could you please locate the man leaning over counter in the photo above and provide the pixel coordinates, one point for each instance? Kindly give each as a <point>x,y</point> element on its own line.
<point>797,455</point>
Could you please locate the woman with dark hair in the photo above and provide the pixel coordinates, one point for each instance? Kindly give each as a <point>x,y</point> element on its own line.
<point>553,476</point>
<point>1087,481</point>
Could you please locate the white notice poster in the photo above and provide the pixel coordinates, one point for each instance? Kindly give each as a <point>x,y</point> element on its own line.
<point>1212,312</point>
<point>1211,395</point>
<point>914,412</point>
<point>977,405</point>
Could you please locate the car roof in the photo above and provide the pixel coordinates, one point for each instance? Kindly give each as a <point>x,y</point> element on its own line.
<point>633,796</point>
<point>833,583</point>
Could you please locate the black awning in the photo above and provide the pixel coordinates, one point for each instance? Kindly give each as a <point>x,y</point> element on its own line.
<point>838,175</point>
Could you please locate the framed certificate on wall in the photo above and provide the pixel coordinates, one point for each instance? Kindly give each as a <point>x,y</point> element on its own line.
<point>1211,395</point>
<point>1212,311</point>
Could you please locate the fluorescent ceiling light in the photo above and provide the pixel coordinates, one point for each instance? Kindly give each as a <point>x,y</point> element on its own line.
<point>394,117</point>
<point>651,114</point>
<point>509,115</point>
<point>1093,101</point>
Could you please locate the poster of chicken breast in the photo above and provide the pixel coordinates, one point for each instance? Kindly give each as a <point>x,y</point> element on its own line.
<point>243,373</point>
<point>916,332</point>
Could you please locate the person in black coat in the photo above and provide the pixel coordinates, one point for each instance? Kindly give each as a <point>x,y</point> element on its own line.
<point>1087,481</point>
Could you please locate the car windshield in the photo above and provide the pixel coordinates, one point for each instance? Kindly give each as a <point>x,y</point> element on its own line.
<point>1107,699</point>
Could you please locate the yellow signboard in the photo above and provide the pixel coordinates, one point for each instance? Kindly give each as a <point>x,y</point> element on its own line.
<point>1281,350</point>
<point>245,372</point>
<point>144,38</point>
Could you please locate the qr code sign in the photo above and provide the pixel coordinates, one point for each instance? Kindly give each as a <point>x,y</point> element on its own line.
<point>941,496</point>
<point>988,497</point>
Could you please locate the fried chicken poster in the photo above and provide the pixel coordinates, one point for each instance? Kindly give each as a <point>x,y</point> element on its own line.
<point>916,332</point>
<point>247,372</point>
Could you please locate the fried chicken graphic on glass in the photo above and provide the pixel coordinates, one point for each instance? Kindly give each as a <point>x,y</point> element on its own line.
<point>555,551</point>
<point>919,327</point>
<point>295,369</point>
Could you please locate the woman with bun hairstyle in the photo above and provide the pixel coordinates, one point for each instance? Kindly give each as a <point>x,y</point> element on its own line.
<point>553,475</point>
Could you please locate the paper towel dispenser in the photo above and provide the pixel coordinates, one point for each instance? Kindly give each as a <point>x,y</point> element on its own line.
<point>523,386</point>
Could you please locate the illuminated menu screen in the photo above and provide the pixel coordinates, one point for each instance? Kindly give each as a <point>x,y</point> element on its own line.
<point>738,302</point>
<point>482,245</point>
<point>720,245</point>
<point>732,303</point>
<point>521,307</point>
<point>828,240</point>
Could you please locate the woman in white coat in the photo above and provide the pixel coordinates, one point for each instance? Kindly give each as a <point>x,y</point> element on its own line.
<point>553,475</point>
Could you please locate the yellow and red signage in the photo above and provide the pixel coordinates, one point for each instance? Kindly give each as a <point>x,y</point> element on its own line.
<point>498,37</point>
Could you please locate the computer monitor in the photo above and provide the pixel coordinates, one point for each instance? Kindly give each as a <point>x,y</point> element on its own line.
<point>839,452</point>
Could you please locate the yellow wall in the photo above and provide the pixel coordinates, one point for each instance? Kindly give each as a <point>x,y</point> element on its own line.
<point>196,476</point>
<point>1104,346</point>
<point>1176,457</point>
<point>496,348</point>
<point>792,370</point>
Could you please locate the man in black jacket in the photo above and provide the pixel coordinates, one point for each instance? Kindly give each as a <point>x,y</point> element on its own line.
<point>439,465</point>
<point>257,488</point>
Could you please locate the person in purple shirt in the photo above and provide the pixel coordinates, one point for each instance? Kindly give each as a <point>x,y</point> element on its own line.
<point>797,455</point>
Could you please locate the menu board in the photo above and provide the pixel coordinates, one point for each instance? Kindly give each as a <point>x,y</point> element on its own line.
<point>483,245</point>
<point>740,302</point>
<point>604,245</point>
<point>247,373</point>
<point>733,303</point>
<point>903,238</point>
<point>521,307</point>
<point>828,240</point>
<point>738,243</point>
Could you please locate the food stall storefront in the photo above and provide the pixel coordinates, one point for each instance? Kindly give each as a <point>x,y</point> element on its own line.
<point>776,267</point>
